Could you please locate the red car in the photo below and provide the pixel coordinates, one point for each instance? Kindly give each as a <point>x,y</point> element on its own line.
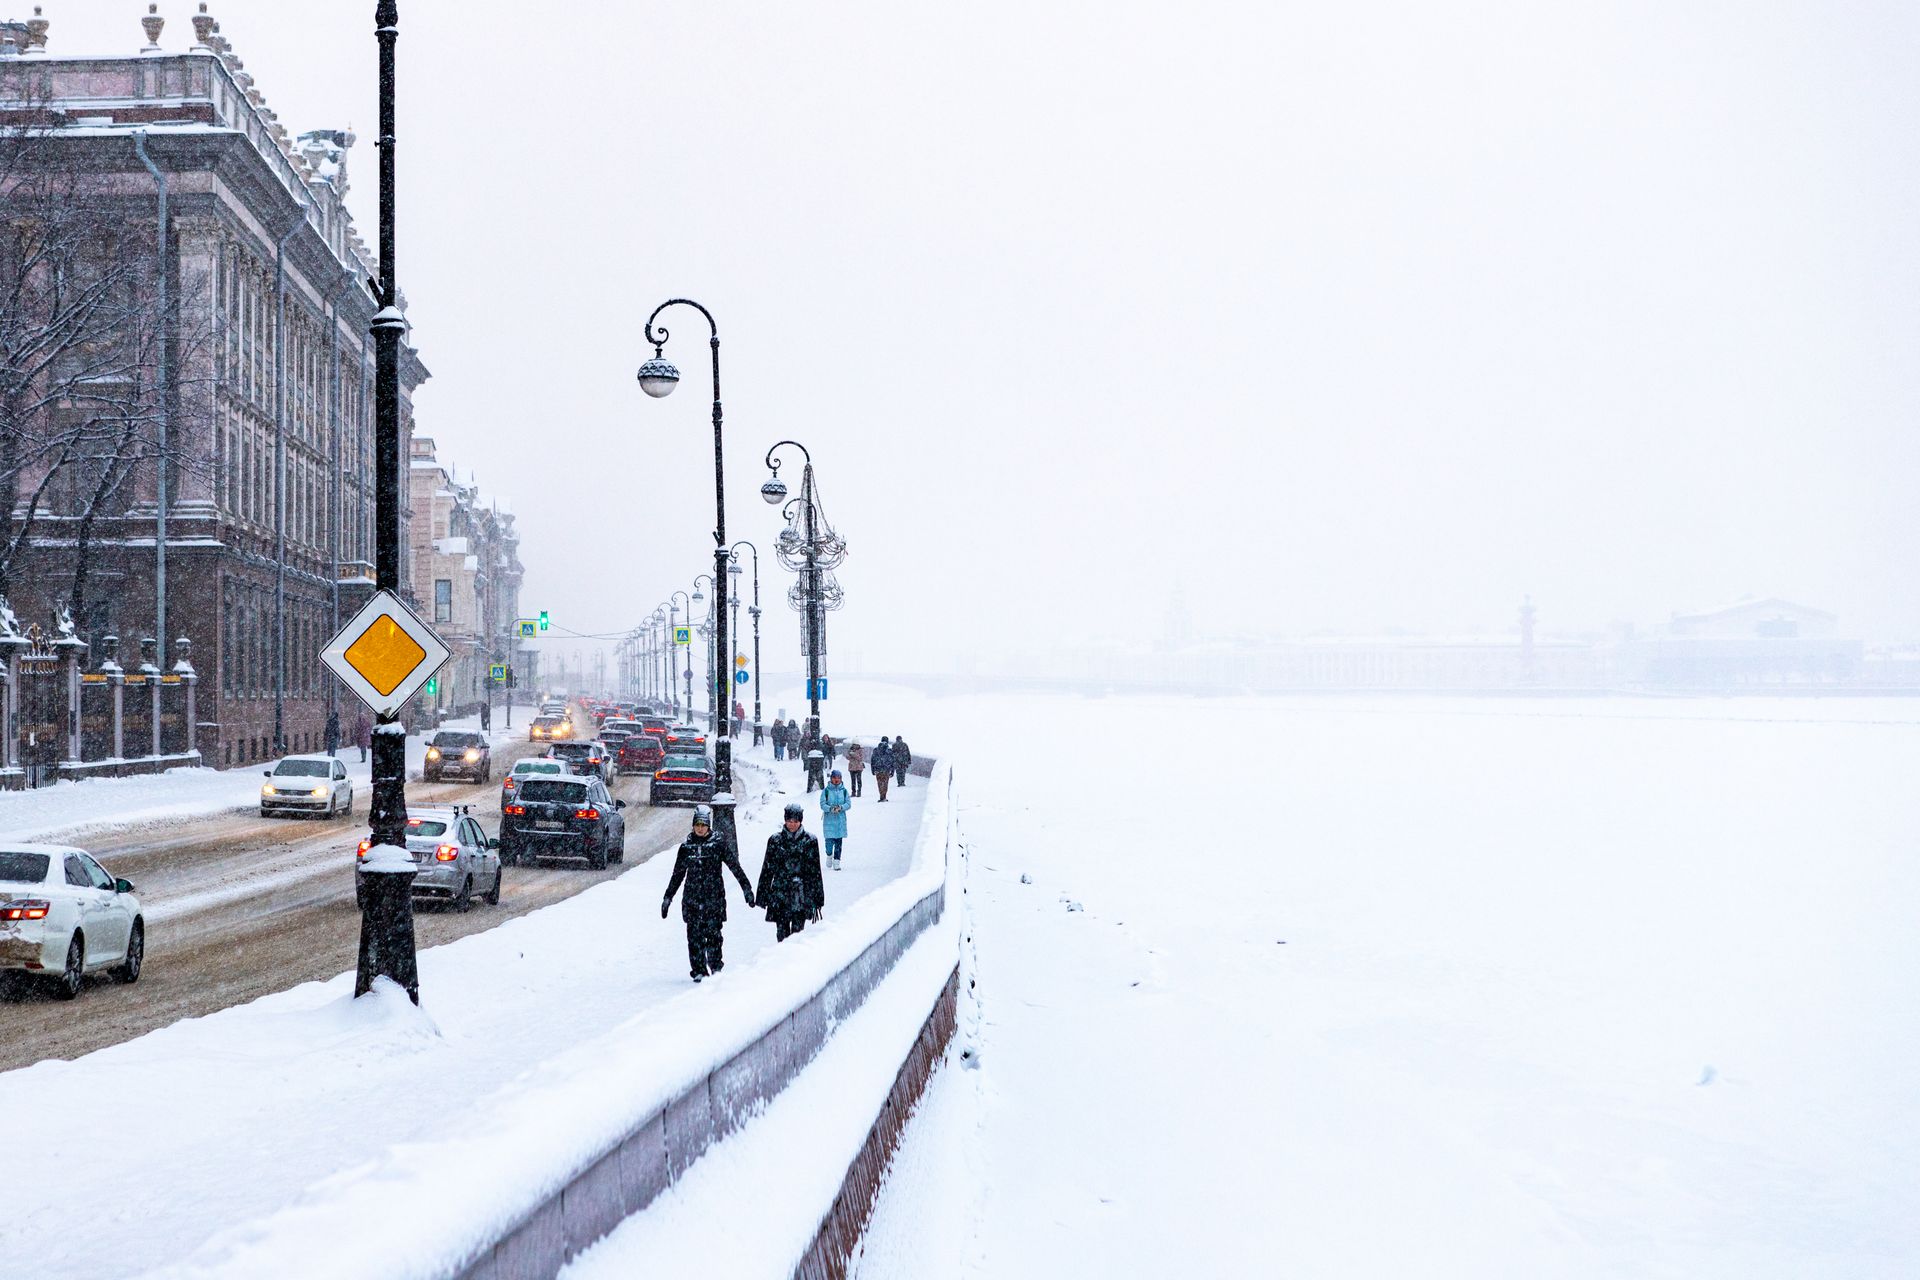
<point>639,753</point>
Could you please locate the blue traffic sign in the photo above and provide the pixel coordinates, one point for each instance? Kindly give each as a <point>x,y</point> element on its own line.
<point>739,677</point>
<point>822,695</point>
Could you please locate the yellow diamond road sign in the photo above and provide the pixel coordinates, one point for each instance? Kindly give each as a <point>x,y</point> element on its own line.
<point>385,654</point>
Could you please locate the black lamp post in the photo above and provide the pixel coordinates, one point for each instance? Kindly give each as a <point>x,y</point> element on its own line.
<point>672,645</point>
<point>662,686</point>
<point>811,551</point>
<point>734,567</point>
<point>386,916</point>
<point>706,633</point>
<point>658,378</point>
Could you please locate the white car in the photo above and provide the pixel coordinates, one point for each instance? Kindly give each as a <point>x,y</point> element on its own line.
<point>537,767</point>
<point>62,915</point>
<point>453,856</point>
<point>307,784</point>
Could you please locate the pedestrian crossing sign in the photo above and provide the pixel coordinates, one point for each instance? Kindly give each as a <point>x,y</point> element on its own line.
<point>497,673</point>
<point>528,628</point>
<point>683,635</point>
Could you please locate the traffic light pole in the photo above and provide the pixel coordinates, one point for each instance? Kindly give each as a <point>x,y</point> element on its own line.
<point>386,914</point>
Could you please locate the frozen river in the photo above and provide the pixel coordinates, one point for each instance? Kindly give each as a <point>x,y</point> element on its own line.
<point>1435,987</point>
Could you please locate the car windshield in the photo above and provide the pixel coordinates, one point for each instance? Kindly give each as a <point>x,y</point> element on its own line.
<point>302,769</point>
<point>426,827</point>
<point>547,721</point>
<point>459,740</point>
<point>573,750</point>
<point>564,792</point>
<point>537,766</point>
<point>23,868</point>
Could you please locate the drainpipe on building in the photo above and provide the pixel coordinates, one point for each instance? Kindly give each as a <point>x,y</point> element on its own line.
<point>160,449</point>
<point>333,473</point>
<point>280,479</point>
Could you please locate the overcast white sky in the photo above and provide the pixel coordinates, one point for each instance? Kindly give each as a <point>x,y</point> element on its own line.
<point>1331,316</point>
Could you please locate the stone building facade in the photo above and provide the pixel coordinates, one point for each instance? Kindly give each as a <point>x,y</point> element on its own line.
<point>466,560</point>
<point>270,503</point>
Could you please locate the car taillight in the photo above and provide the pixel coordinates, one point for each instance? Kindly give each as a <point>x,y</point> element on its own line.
<point>586,813</point>
<point>446,853</point>
<point>26,909</point>
<point>660,775</point>
<point>515,809</point>
<point>413,822</point>
<point>507,784</point>
<point>366,845</point>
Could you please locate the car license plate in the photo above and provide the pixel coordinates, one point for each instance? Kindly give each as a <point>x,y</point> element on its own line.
<point>549,826</point>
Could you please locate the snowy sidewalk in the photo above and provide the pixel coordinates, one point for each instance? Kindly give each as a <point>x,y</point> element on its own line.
<point>222,1124</point>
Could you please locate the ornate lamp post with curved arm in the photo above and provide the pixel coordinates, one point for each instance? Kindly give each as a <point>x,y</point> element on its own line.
<point>706,633</point>
<point>810,547</point>
<point>733,566</point>
<point>658,378</point>
<point>672,624</point>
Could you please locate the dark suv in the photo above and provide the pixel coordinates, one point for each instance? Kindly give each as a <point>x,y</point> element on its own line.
<point>583,757</point>
<point>465,755</point>
<point>563,817</point>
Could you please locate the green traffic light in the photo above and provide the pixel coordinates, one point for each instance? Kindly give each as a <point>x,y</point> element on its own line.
<point>543,619</point>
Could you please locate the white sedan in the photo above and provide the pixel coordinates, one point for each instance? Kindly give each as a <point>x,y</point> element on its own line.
<point>62,915</point>
<point>307,784</point>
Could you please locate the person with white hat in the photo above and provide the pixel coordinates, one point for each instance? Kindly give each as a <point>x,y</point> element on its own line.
<point>834,803</point>
<point>704,908</point>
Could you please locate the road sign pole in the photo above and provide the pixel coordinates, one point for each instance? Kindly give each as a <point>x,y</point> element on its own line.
<point>386,919</point>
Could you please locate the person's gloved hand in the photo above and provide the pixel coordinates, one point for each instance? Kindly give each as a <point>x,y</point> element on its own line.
<point>817,913</point>
<point>664,904</point>
<point>750,901</point>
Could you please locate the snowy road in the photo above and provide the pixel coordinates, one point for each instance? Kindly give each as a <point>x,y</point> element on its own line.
<point>239,906</point>
<point>232,1130</point>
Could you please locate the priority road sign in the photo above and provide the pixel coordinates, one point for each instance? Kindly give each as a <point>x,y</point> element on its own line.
<point>497,673</point>
<point>527,628</point>
<point>739,659</point>
<point>385,655</point>
<point>683,635</point>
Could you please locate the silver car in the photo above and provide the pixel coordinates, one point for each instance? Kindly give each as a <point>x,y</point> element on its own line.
<point>454,858</point>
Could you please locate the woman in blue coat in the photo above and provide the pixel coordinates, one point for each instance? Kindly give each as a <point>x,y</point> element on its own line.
<point>834,802</point>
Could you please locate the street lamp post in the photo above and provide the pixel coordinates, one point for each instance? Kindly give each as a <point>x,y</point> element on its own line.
<point>386,919</point>
<point>658,378</point>
<point>733,566</point>
<point>673,644</point>
<point>706,633</point>
<point>810,553</point>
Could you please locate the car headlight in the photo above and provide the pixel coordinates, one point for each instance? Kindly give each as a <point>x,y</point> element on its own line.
<point>472,755</point>
<point>433,753</point>
<point>318,791</point>
<point>268,790</point>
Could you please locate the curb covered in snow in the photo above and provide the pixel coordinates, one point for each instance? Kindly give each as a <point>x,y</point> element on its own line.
<point>648,1157</point>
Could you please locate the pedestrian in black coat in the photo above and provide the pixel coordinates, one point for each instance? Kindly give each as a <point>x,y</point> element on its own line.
<point>333,732</point>
<point>791,888</point>
<point>902,758</point>
<point>779,732</point>
<point>704,907</point>
<point>882,760</point>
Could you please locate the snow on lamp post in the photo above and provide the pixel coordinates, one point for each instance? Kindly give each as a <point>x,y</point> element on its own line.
<point>386,916</point>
